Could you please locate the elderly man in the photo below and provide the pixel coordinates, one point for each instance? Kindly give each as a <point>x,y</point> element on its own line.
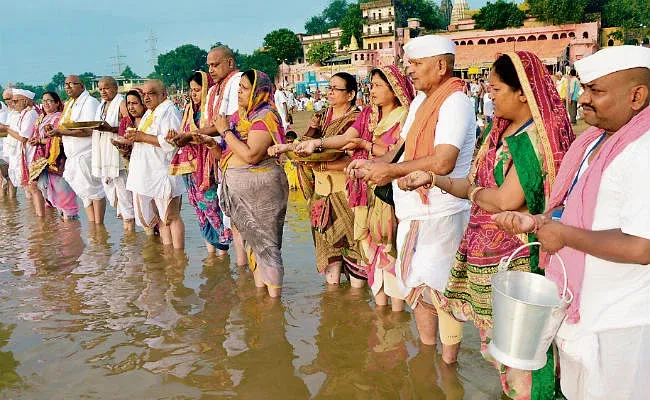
<point>107,164</point>
<point>21,155</point>
<point>439,135</point>
<point>7,144</point>
<point>77,144</point>
<point>598,221</point>
<point>157,195</point>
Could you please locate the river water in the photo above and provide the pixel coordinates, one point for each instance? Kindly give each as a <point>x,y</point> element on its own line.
<point>89,313</point>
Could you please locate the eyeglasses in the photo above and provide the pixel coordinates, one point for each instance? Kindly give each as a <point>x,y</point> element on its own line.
<point>69,84</point>
<point>335,88</point>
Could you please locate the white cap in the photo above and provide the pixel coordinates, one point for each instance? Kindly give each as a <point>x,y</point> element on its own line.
<point>610,60</point>
<point>22,92</point>
<point>429,46</point>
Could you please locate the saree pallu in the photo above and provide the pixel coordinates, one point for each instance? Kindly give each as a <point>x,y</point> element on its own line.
<point>208,212</point>
<point>375,227</point>
<point>58,193</point>
<point>255,199</point>
<point>333,226</point>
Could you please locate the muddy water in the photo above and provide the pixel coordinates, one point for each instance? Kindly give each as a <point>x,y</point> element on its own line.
<point>95,315</point>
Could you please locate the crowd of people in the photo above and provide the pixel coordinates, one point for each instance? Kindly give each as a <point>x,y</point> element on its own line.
<point>399,199</point>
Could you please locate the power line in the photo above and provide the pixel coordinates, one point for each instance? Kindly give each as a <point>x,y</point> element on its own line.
<point>117,62</point>
<point>152,40</point>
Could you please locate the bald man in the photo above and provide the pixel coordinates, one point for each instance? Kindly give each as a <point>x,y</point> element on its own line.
<point>157,195</point>
<point>222,99</point>
<point>77,144</point>
<point>598,221</point>
<point>107,163</point>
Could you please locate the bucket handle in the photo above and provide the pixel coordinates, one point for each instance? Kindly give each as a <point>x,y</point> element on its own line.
<point>505,262</point>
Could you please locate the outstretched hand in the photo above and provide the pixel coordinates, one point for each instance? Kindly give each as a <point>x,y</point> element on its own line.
<point>414,180</point>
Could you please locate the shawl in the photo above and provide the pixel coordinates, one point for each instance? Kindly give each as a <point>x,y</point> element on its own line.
<point>260,109</point>
<point>421,136</point>
<point>49,155</point>
<point>105,156</point>
<point>195,159</point>
<point>553,127</point>
<point>375,126</point>
<point>581,202</point>
<point>217,90</point>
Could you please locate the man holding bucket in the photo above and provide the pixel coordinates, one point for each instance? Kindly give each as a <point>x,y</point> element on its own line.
<point>598,221</point>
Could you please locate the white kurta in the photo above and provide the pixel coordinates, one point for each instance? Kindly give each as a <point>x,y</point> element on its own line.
<point>78,165</point>
<point>607,354</point>
<point>108,164</point>
<point>23,123</point>
<point>149,165</point>
<point>443,221</point>
<point>9,143</point>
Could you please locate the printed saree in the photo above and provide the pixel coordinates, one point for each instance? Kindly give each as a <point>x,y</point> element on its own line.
<point>536,151</point>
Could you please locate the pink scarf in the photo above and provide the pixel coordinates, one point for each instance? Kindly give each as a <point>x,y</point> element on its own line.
<point>581,203</point>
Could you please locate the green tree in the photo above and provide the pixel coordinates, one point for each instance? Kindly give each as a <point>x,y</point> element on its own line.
<point>87,78</point>
<point>559,11</point>
<point>427,11</point>
<point>57,82</point>
<point>316,25</point>
<point>129,74</point>
<point>331,17</point>
<point>499,15</point>
<point>179,64</point>
<point>260,60</point>
<point>352,24</point>
<point>319,52</point>
<point>282,44</point>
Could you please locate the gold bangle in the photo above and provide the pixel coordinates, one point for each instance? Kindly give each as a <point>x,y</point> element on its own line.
<point>433,180</point>
<point>472,194</point>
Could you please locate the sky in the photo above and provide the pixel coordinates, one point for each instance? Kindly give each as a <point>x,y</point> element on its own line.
<point>40,38</point>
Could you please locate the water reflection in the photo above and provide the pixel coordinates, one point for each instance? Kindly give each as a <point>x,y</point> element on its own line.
<point>89,312</point>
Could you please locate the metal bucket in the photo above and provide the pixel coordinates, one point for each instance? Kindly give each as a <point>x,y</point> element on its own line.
<point>526,314</point>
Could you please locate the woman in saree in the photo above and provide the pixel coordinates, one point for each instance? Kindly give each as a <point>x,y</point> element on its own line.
<point>375,132</point>
<point>254,190</point>
<point>323,185</point>
<point>46,170</point>
<point>136,109</point>
<point>198,165</point>
<point>514,170</point>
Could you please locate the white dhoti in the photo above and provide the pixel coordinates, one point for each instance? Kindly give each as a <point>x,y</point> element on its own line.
<point>612,364</point>
<point>152,210</point>
<point>426,250</point>
<point>384,279</point>
<point>14,170</point>
<point>80,178</point>
<point>118,197</point>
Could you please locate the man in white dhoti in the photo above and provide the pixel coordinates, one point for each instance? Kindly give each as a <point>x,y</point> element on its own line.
<point>157,195</point>
<point>598,221</point>
<point>77,144</point>
<point>8,143</point>
<point>107,163</point>
<point>431,222</point>
<point>22,153</point>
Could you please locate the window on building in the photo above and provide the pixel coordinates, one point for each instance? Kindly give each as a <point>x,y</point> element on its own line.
<point>381,45</point>
<point>362,55</point>
<point>369,46</point>
<point>355,57</point>
<point>390,28</point>
<point>380,29</point>
<point>374,46</point>
<point>572,34</point>
<point>390,45</point>
<point>555,36</point>
<point>390,14</point>
<point>610,42</point>
<point>374,15</point>
<point>379,15</point>
<point>585,35</point>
